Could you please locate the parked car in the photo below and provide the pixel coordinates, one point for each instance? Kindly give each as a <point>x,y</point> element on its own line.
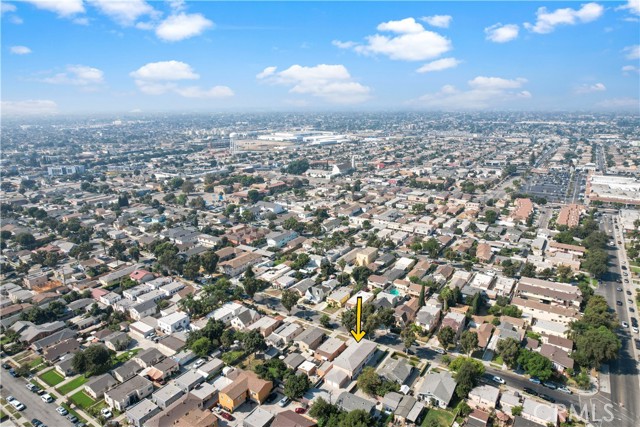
<point>624,324</point>
<point>10,399</point>
<point>227,416</point>
<point>31,386</point>
<point>548,398</point>
<point>534,380</point>
<point>498,380</point>
<point>564,389</point>
<point>36,422</point>
<point>46,398</point>
<point>272,398</point>
<point>61,411</point>
<point>106,413</point>
<point>300,410</point>
<point>198,363</point>
<point>72,418</point>
<point>284,402</point>
<point>6,366</point>
<point>13,373</point>
<point>18,405</point>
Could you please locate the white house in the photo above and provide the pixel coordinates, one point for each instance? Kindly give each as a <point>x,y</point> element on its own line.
<point>177,321</point>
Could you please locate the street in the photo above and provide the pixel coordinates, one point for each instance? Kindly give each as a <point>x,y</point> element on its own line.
<point>36,408</point>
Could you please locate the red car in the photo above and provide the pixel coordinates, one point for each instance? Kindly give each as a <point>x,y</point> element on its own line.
<point>226,416</point>
<point>300,410</point>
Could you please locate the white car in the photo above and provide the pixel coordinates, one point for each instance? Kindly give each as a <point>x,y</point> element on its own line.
<point>61,411</point>
<point>198,363</point>
<point>10,399</point>
<point>46,398</point>
<point>635,329</point>
<point>106,413</point>
<point>565,390</point>
<point>624,324</point>
<point>498,380</point>
<point>18,405</point>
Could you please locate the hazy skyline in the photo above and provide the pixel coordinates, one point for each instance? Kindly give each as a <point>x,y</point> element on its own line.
<point>109,56</point>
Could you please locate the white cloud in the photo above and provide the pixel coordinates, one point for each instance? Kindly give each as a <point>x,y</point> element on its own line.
<point>548,21</point>
<point>165,70</point>
<point>587,88</point>
<point>404,26</point>
<point>63,8</point>
<point>182,26</point>
<point>157,78</point>
<point>484,92</point>
<point>439,65</point>
<point>124,12</point>
<point>20,50</point>
<point>332,83</point>
<point>632,52</point>
<point>77,75</point>
<point>7,7</point>
<point>410,42</point>
<point>29,107</point>
<point>269,71</point>
<point>440,21</point>
<point>620,104</point>
<point>633,6</point>
<point>630,69</point>
<point>499,33</point>
<point>198,92</point>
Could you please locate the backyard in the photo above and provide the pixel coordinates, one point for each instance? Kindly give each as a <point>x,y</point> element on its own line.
<point>82,400</point>
<point>442,417</point>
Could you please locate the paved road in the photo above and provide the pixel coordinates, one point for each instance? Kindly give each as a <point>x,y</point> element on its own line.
<point>624,374</point>
<point>36,408</point>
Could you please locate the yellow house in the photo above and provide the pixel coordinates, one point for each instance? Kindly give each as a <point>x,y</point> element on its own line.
<point>339,297</point>
<point>366,256</point>
<point>245,385</point>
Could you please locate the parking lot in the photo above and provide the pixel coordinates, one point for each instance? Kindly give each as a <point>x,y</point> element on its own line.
<point>552,186</point>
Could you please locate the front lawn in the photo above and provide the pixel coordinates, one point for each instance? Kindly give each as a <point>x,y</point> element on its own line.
<point>442,417</point>
<point>72,385</point>
<point>82,400</point>
<point>52,377</point>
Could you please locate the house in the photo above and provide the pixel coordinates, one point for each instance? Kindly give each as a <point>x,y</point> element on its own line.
<point>350,402</point>
<point>177,321</point>
<point>396,370</point>
<point>245,385</point>
<point>455,321</point>
<point>339,297</point>
<point>484,331</point>
<point>355,357</point>
<point>244,319</point>
<point>479,418</point>
<point>141,276</point>
<point>437,388</point>
<point>187,411</point>
<point>539,412</point>
<point>428,317</point>
<point>128,393</point>
<point>259,417</point>
<point>148,357</point>
<point>484,397</point>
<point>126,371</point>
<point>560,358</point>
<point>163,370</point>
<point>189,380</point>
<point>266,325</point>
<point>53,339</point>
<point>143,309</point>
<point>279,239</point>
<point>366,256</point>
<point>99,385</point>
<point>309,339</point>
<point>285,334</point>
<point>289,418</point>
<point>117,341</point>
<point>409,411</point>
<point>139,414</point>
<point>240,264</point>
<point>166,395</point>
<point>330,349</point>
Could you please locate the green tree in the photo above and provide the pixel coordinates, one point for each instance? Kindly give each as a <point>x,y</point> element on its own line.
<point>595,346</point>
<point>467,373</point>
<point>469,341</point>
<point>201,347</point>
<point>408,336</point>
<point>289,299</point>
<point>490,216</point>
<point>253,341</point>
<point>325,321</point>
<point>26,240</point>
<point>529,270</point>
<point>296,385</point>
<point>369,381</point>
<point>209,261</point>
<point>535,364</point>
<point>446,336</point>
<point>187,187</point>
<point>509,350</point>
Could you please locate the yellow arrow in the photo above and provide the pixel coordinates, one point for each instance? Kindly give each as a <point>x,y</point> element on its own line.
<point>358,334</point>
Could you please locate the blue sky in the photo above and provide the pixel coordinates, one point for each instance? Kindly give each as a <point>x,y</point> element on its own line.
<point>77,56</point>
